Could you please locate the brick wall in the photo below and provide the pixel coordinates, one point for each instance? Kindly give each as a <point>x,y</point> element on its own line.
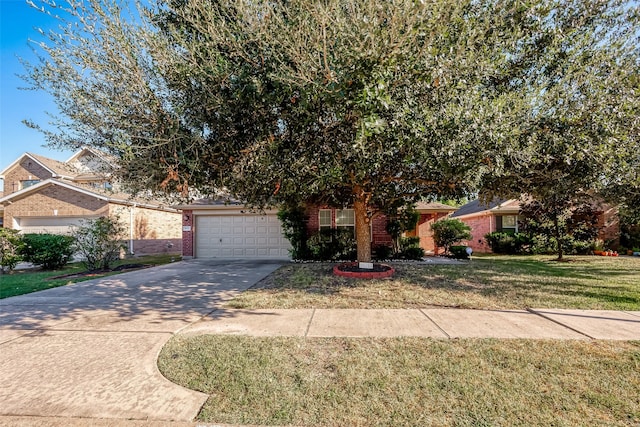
<point>187,234</point>
<point>480,225</point>
<point>379,230</point>
<point>53,201</point>
<point>378,226</point>
<point>423,230</point>
<point>154,231</point>
<point>26,170</point>
<point>157,246</point>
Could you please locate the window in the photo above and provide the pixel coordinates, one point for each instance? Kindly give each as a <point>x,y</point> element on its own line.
<point>345,218</point>
<point>510,222</point>
<point>324,217</point>
<point>28,183</point>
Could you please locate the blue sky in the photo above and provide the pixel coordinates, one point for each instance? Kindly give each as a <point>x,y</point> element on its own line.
<point>17,23</point>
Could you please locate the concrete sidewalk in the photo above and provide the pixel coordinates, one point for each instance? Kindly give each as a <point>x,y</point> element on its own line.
<point>432,323</point>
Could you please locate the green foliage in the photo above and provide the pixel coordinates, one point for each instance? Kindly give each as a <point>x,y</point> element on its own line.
<point>405,219</point>
<point>383,252</point>
<point>410,248</point>
<point>629,226</point>
<point>446,232</point>
<point>509,243</point>
<point>51,251</point>
<point>99,242</point>
<point>565,229</point>
<point>459,252</point>
<point>10,247</point>
<point>332,244</point>
<point>345,101</point>
<point>294,227</point>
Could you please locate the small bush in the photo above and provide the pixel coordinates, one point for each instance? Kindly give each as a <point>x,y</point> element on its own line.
<point>415,253</point>
<point>410,248</point>
<point>459,252</point>
<point>382,252</point>
<point>51,251</point>
<point>10,247</point>
<point>332,245</point>
<point>513,243</point>
<point>99,242</point>
<point>294,227</point>
<point>446,232</point>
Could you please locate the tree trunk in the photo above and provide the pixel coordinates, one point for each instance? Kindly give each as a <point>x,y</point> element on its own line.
<point>363,229</point>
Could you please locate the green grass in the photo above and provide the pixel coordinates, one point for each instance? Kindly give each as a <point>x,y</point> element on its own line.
<point>408,381</point>
<point>490,282</point>
<point>22,282</point>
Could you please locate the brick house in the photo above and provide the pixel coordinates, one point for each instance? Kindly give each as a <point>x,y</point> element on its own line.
<point>45,195</point>
<point>503,215</point>
<point>217,228</point>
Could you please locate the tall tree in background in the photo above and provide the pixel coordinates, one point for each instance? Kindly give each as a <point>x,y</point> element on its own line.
<point>349,102</point>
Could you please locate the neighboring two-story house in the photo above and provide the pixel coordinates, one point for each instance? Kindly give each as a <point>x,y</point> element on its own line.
<point>43,195</point>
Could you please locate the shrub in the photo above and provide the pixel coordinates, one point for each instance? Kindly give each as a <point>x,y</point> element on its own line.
<point>51,251</point>
<point>446,232</point>
<point>99,242</point>
<point>459,252</point>
<point>410,248</point>
<point>10,246</point>
<point>332,245</point>
<point>513,243</point>
<point>404,219</point>
<point>382,252</point>
<point>295,230</point>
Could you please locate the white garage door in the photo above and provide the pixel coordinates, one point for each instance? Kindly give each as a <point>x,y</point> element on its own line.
<point>240,236</point>
<point>51,225</point>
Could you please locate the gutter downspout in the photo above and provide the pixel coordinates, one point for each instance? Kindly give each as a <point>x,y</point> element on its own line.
<point>131,229</point>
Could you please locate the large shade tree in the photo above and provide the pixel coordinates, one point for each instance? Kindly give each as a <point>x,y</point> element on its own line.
<point>347,102</point>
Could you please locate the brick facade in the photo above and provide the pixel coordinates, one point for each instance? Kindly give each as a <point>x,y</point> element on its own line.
<point>153,231</point>
<point>379,235</point>
<point>62,202</point>
<point>54,201</point>
<point>486,222</point>
<point>27,169</point>
<point>423,230</point>
<point>187,233</point>
<point>480,224</point>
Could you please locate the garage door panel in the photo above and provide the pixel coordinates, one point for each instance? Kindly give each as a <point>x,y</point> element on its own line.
<point>50,225</point>
<point>244,236</point>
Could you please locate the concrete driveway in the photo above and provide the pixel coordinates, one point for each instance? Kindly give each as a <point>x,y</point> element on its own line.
<point>90,349</point>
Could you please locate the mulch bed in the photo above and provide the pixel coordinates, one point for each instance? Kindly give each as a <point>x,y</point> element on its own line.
<point>351,269</point>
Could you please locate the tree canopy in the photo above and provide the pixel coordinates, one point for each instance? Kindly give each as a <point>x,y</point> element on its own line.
<point>346,102</point>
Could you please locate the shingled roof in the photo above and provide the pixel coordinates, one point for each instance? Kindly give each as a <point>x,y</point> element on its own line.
<point>477,206</point>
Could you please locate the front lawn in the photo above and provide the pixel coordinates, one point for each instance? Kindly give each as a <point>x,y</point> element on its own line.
<point>21,282</point>
<point>408,381</point>
<point>489,282</point>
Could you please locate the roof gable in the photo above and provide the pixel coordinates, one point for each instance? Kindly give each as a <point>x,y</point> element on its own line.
<point>477,206</point>
<point>88,161</point>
